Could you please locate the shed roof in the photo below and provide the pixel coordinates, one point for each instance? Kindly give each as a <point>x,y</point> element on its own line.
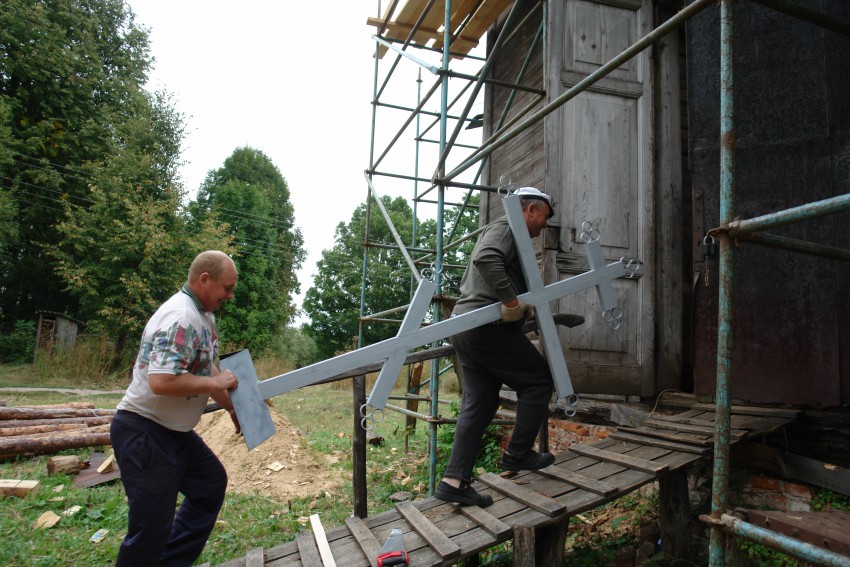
<point>481,14</point>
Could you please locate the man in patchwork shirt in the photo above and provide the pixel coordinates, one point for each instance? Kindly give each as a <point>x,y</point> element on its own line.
<point>152,434</point>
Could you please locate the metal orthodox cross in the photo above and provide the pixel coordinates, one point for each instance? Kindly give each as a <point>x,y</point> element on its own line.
<point>248,398</point>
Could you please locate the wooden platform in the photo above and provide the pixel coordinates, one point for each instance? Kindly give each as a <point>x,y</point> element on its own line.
<point>582,478</point>
<point>481,15</point>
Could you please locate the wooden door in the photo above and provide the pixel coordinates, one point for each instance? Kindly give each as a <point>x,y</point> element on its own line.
<point>599,168</point>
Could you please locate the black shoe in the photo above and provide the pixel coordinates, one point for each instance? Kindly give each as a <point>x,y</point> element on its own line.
<point>466,496</point>
<point>531,462</point>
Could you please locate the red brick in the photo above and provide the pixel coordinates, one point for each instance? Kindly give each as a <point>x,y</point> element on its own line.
<point>799,490</point>
<point>602,433</point>
<point>570,426</point>
<point>764,482</point>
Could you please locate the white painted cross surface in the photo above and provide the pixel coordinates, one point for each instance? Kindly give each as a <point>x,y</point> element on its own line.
<point>249,397</point>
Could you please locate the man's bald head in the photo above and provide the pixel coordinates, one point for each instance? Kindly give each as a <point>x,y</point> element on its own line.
<point>213,262</point>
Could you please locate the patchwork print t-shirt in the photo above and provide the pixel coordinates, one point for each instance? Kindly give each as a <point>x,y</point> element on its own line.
<point>179,339</point>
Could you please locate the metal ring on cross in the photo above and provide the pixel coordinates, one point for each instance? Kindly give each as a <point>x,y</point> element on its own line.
<point>505,186</point>
<point>371,416</point>
<point>631,266</point>
<point>428,274</point>
<point>588,233</point>
<point>613,317</point>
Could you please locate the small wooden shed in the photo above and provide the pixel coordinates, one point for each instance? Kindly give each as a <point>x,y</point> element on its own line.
<point>55,329</point>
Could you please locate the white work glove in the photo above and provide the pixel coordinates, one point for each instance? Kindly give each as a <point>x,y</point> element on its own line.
<point>513,314</point>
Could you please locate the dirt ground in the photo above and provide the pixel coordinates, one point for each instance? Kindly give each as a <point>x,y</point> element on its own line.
<point>280,469</point>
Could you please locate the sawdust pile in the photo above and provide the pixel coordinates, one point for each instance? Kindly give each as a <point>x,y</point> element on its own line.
<point>280,468</point>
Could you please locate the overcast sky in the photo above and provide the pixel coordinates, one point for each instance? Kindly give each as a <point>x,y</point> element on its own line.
<point>292,79</point>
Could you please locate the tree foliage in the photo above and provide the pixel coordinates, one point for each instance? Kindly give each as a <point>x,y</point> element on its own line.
<point>249,194</point>
<point>129,247</point>
<point>70,71</point>
<point>333,303</point>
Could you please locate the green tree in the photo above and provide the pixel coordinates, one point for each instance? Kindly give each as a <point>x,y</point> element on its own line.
<point>129,247</point>
<point>8,205</point>
<point>333,303</point>
<point>250,195</point>
<point>70,72</point>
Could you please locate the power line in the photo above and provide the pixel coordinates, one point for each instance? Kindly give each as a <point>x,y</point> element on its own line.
<point>232,212</point>
<point>50,170</point>
<point>46,189</point>
<point>36,204</point>
<point>41,159</point>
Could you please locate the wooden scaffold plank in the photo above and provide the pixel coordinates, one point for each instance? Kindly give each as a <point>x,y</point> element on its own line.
<point>255,558</point>
<point>735,434</point>
<point>365,538</point>
<point>580,480</point>
<point>307,549</point>
<point>437,540</point>
<point>488,522</point>
<point>542,504</point>
<point>625,460</point>
<point>664,444</point>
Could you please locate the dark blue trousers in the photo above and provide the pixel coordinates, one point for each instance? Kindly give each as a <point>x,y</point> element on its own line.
<point>492,355</point>
<point>156,463</point>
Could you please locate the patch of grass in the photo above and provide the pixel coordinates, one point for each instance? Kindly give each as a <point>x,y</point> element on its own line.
<point>66,543</point>
<point>88,365</point>
<point>325,415</point>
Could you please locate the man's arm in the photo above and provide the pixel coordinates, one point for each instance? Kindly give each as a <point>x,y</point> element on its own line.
<point>222,398</point>
<point>180,385</point>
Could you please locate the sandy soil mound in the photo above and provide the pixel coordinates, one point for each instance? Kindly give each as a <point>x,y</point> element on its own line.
<point>280,468</point>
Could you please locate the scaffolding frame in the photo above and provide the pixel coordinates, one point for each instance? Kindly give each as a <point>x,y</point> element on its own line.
<point>730,230</point>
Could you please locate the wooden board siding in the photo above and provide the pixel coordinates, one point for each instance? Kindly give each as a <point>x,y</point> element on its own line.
<point>600,164</point>
<point>522,158</point>
<point>612,156</point>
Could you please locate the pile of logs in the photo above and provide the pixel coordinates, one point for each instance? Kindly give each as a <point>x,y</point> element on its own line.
<point>39,430</point>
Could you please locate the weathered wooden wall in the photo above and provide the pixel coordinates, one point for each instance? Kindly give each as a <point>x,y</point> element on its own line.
<point>521,159</point>
<point>792,130</point>
<point>612,156</point>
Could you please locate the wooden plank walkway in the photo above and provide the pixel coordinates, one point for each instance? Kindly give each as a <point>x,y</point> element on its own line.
<point>582,478</point>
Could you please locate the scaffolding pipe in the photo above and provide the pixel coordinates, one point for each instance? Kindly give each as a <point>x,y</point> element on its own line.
<point>437,50</point>
<point>674,22</point>
<point>503,122</point>
<point>497,83</point>
<point>437,420</point>
<point>388,17</point>
<point>423,112</point>
<point>393,247</point>
<point>404,46</point>
<point>482,75</point>
<point>438,272</point>
<point>790,546</point>
<point>725,336</point>
<point>795,245</point>
<point>392,311</point>
<point>424,64</point>
<point>438,116</point>
<point>808,211</point>
<point>407,122</point>
<point>393,231</point>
